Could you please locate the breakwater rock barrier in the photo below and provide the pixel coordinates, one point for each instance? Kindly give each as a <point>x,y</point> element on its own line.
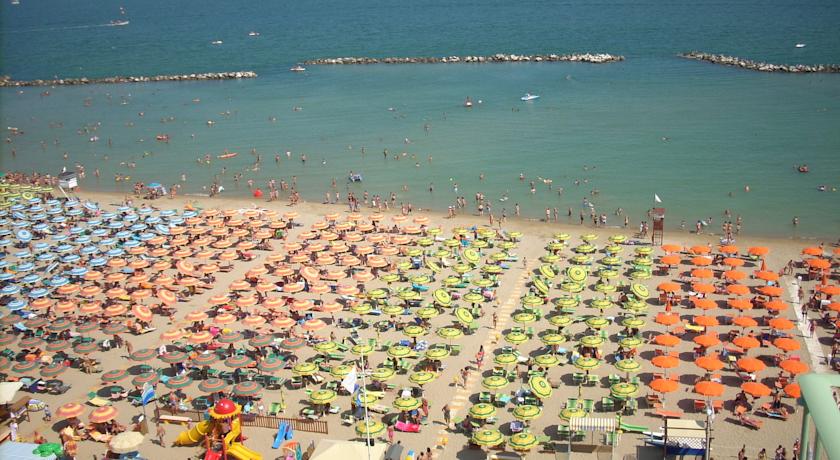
<point>760,66</point>
<point>598,58</point>
<point>8,82</point>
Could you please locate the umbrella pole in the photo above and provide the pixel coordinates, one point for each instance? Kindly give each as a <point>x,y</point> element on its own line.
<point>364,391</point>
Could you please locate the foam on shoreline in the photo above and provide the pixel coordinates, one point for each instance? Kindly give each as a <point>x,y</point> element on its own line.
<point>6,81</point>
<point>596,58</point>
<point>734,61</point>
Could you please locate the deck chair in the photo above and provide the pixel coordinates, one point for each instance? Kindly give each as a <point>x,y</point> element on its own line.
<point>588,405</point>
<point>607,404</point>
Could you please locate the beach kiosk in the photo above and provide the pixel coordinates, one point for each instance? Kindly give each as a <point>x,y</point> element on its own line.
<point>658,215</point>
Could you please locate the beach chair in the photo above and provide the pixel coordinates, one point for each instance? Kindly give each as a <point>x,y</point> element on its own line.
<point>571,403</point>
<point>614,378</point>
<point>753,423</point>
<point>631,406</point>
<point>564,432</point>
<point>485,397</point>
<point>97,401</point>
<point>274,409</point>
<point>503,400</point>
<point>578,378</point>
<point>588,405</point>
<point>607,404</point>
<point>592,379</point>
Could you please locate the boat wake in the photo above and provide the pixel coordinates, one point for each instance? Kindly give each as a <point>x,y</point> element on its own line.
<point>50,29</point>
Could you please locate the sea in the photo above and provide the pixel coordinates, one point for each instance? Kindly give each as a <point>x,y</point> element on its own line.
<point>615,136</point>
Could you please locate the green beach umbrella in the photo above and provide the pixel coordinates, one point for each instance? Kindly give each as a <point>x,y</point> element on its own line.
<point>414,252</point>
<point>577,274</point>
<point>526,412</point>
<point>464,316</point>
<point>377,294</point>
<point>491,269</point>
<point>562,236</point>
<point>550,258</point>
<point>524,318</point>
<point>636,306</point>
<point>422,377</point>
<point>361,309</point>
<point>479,244</point>
<point>399,351</point>
<point>482,282</point>
<point>414,330</point>
<point>605,288</point>
<point>560,320</point>
<point>471,255</point>
<point>585,249</point>
<point>643,261</point>
<point>618,239</point>
<point>624,389</point>
<point>437,353</point>
<point>326,347</point>
<point>22,367</point>
<point>601,304</point>
<point>425,241</point>
<point>442,297</point>
<point>597,322</point>
<point>389,277</point>
<point>532,301</point>
<point>571,286</point>
<point>143,355</point>
<point>451,280</point>
<point>630,342</point>
<point>449,333</point>
<point>591,340</point>
<point>230,337</point>
<point>505,359</point>
<point>392,310</point>
<point>553,339</point>
<point>581,259</point>
<point>382,374</point>
<point>341,370</point>
<point>570,413</point>
<point>482,411</point>
<point>540,387</point>
<point>546,360</point>
<point>633,322</point>
<point>361,349</point>
<point>461,268</point>
<point>367,428</point>
<point>494,382</point>
<point>323,396</point>
<point>566,302</point>
<point>212,385</point>
<point>422,279</point>
<point>607,273</point>
<point>613,249</point>
<point>522,441</point>
<point>53,369</point>
<point>516,338</point>
<point>587,363</point>
<point>547,271</point>
<point>271,365</point>
<point>628,365</point>
<point>365,399</point>
<point>506,245</point>
<point>473,297</point>
<point>487,437</point>
<point>499,256</point>
<point>640,290</point>
<point>115,375</point>
<point>589,237</point>
<point>541,286</point>
<point>238,361</point>
<point>205,359</point>
<point>305,369</point>
<point>408,294</point>
<point>407,404</point>
<point>178,382</point>
<point>644,250</point>
<point>175,356</point>
<point>426,312</point>
<point>451,243</point>
<point>640,275</point>
<point>555,246</point>
<point>261,341</point>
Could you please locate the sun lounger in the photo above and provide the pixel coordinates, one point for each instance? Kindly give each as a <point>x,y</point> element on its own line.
<point>407,427</point>
<point>750,422</point>
<point>177,419</point>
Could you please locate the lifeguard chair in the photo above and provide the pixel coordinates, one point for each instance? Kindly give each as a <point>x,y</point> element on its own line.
<point>658,233</point>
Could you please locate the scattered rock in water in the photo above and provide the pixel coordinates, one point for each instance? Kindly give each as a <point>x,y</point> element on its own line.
<point>598,58</point>
<point>760,66</point>
<point>6,81</point>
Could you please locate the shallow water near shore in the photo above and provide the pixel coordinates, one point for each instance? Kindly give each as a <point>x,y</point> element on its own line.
<point>688,131</point>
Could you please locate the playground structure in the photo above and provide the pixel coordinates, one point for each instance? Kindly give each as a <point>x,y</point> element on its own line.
<point>222,434</point>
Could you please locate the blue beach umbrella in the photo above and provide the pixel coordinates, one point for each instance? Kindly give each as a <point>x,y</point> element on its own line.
<point>151,220</point>
<point>88,250</point>
<point>21,224</point>
<point>78,271</point>
<point>58,219</point>
<point>25,254</point>
<point>162,229</point>
<point>54,211</point>
<point>131,244</point>
<point>145,236</point>
<point>40,246</point>
<point>5,276</point>
<point>167,212</point>
<point>116,252</point>
<point>115,224</point>
<point>25,267</point>
<point>5,232</point>
<point>99,232</point>
<point>52,202</point>
<point>84,239</point>
<point>58,281</point>
<point>46,257</point>
<point>63,248</point>
<point>70,258</point>
<point>124,234</point>
<point>145,210</point>
<point>71,203</point>
<point>124,209</point>
<point>5,242</point>
<point>94,223</point>
<point>24,235</point>
<point>77,230</point>
<point>138,227</point>
<point>31,278</point>
<point>107,215</point>
<point>16,305</point>
<point>40,227</point>
<point>131,218</point>
<point>39,216</point>
<point>73,212</point>
<point>97,262</point>
<point>90,205</point>
<point>59,238</point>
<point>38,293</point>
<point>10,289</point>
<point>108,242</point>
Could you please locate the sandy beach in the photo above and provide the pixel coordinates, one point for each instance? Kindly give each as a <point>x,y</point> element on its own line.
<point>491,331</point>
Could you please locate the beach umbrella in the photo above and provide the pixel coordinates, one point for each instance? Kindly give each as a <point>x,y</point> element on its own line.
<point>463,315</point>
<point>450,333</point>
<point>664,385</point>
<point>407,404</point>
<point>633,322</point>
<point>707,340</point>
<point>705,321</point>
<point>522,441</point>
<point>781,324</point>
<point>775,305</point>
<point>639,290</point>
<point>572,412</point>
<point>86,347</point>
<point>624,389</point>
<point>383,374</point>
<point>709,363</point>
<point>143,354</point>
<point>505,359</point>
<point>422,377</point>
<point>792,390</point>
<point>587,363</point>
<point>323,396</point>
<point>756,389</point>
<point>414,330</point>
<point>58,345</point>
<point>746,342</point>
<point>526,412</point>
<point>739,304</point>
<point>179,381</point>
<point>516,338</point>
<point>70,410</point>
<point>341,370</point>
<point>361,349</point>
<point>744,321</point>
<point>239,361</point>
<point>494,382</point>
<point>631,342</point>
<point>482,411</point>
<point>426,312</point>
<point>597,322</point>
<point>734,275</point>
<point>174,357</point>
<point>271,365</point>
<point>229,337</point>
<point>114,328</point>
<point>305,368</point>
<point>766,275</point>
<point>399,351</point>
<point>326,347</point>
<point>126,442</point>
<point>146,377</point>
<point>540,387</point>
<point>487,437</point>
<point>103,414</point>
<point>115,375</point>
<point>551,339</point>
<point>292,343</point>
<point>668,286</point>
<point>628,365</point>
<point>786,344</point>
<point>591,340</point>
<point>794,366</point>
<point>247,388</point>
<point>369,428</point>
<point>737,289</point>
<point>750,365</point>
<point>547,360</point>
<point>709,389</point>
<point>665,361</point>
<point>53,369</point>
<point>566,302</point>
<point>560,321</point>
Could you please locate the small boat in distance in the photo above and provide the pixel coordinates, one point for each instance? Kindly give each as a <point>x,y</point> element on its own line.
<point>253,34</point>
<point>298,68</point>
<point>117,23</point>
<point>529,97</point>
<point>468,103</point>
<point>216,42</point>
<point>225,156</point>
<point>800,45</point>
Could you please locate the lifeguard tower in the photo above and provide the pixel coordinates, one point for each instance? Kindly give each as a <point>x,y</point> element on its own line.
<point>658,215</point>
<point>67,180</point>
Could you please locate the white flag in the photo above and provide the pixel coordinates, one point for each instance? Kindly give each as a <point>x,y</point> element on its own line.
<point>656,198</point>
<point>349,381</point>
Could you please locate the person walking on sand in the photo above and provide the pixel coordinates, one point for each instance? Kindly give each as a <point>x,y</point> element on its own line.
<point>447,415</point>
<point>161,435</point>
<point>742,454</point>
<point>390,434</point>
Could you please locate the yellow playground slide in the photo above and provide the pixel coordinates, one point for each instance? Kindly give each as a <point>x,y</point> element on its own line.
<point>235,450</point>
<point>194,435</point>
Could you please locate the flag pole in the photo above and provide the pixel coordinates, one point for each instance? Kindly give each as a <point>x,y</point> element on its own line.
<point>367,421</point>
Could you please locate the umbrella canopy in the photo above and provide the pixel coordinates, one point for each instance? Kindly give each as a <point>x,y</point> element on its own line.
<point>487,437</point>
<point>103,414</point>
<point>407,404</point>
<point>323,396</point>
<point>750,365</point>
<point>624,389</point>
<point>522,441</point>
<point>709,363</point>
<point>369,428</point>
<point>494,382</point>
<point>482,411</point>
<point>756,389</point>
<point>628,365</point>
<point>70,410</point>
<point>126,442</point>
<point>212,385</point>
<point>540,387</point>
<point>664,385</point>
<point>527,412</point>
<point>247,388</point>
<point>708,388</point>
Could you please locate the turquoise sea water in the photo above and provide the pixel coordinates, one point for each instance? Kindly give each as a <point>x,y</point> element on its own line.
<point>723,128</point>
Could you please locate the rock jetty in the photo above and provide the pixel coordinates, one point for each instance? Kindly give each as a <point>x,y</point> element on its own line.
<point>761,66</point>
<point>599,58</point>
<point>8,82</point>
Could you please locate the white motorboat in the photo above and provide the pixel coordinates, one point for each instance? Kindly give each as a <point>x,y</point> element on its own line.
<point>118,23</point>
<point>529,97</point>
<point>216,42</point>
<point>298,68</point>
<point>468,103</point>
<point>253,34</point>
<point>800,45</point>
